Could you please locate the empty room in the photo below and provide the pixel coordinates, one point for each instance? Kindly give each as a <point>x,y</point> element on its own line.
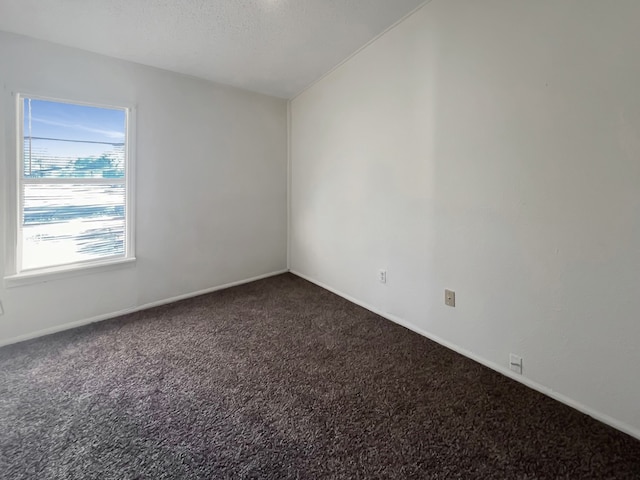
<point>319,239</point>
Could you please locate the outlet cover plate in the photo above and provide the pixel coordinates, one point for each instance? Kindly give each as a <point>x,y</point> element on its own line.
<point>450,298</point>
<point>382,276</point>
<point>515,363</point>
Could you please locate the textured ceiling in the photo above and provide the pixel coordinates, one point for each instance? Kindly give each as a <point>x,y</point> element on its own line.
<point>277,47</point>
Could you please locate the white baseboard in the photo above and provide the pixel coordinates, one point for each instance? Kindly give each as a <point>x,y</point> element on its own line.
<point>612,422</point>
<point>107,316</point>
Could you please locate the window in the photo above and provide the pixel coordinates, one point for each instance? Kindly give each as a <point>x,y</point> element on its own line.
<point>73,186</point>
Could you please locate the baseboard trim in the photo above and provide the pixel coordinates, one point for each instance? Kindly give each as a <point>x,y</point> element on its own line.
<point>606,419</point>
<point>126,311</point>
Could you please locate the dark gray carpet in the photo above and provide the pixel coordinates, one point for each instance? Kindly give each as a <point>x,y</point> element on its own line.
<point>280,379</point>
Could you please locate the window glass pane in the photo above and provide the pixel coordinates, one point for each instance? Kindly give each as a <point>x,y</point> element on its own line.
<point>71,223</point>
<point>73,141</point>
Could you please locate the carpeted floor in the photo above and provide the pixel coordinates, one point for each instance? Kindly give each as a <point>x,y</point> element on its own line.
<point>280,379</point>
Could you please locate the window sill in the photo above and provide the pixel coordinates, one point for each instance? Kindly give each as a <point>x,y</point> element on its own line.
<point>65,271</point>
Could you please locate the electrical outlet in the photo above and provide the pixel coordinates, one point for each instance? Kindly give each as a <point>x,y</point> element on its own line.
<point>450,298</point>
<point>515,363</point>
<point>382,276</point>
<point>1,310</point>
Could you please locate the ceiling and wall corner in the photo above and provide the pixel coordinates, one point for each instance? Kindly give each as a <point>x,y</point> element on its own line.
<point>275,47</point>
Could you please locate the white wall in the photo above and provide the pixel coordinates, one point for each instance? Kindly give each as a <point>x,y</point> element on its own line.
<point>211,183</point>
<point>492,148</point>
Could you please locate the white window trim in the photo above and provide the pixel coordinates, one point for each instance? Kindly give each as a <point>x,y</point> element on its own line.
<point>13,275</point>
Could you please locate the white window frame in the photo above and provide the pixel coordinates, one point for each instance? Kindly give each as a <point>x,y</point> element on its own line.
<point>14,275</point>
